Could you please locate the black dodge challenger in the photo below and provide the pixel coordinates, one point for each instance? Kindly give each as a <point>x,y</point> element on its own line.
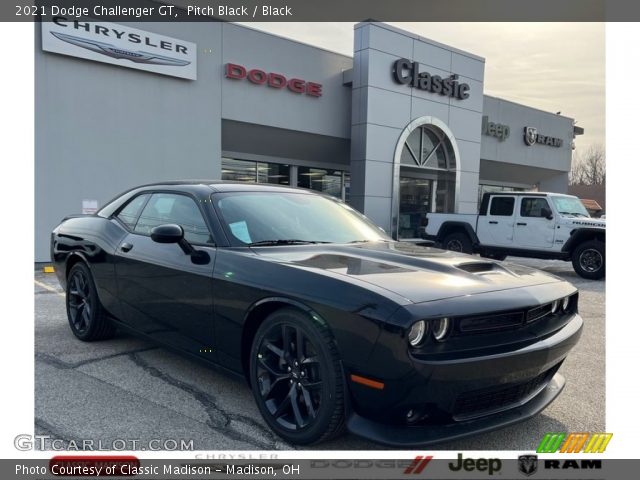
<point>333,324</point>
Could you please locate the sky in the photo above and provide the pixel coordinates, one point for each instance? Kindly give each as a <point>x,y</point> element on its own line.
<point>557,67</point>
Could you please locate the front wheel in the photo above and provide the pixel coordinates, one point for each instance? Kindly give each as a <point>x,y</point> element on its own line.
<point>87,318</point>
<point>296,378</point>
<point>589,260</point>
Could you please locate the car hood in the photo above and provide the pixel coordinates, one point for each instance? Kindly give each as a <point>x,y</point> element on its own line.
<point>418,274</point>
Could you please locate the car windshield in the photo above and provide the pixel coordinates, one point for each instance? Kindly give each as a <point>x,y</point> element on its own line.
<point>570,206</point>
<point>282,218</point>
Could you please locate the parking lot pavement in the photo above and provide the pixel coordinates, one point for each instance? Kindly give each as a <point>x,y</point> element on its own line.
<point>127,389</point>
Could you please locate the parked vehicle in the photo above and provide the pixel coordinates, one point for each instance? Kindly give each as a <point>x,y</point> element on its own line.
<point>526,224</point>
<point>331,322</point>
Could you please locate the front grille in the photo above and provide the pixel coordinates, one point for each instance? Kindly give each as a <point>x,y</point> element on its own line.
<point>538,313</point>
<point>493,399</point>
<point>489,323</point>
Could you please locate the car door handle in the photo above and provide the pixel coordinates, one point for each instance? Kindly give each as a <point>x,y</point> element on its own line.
<point>125,247</point>
<point>493,222</point>
<point>521,224</point>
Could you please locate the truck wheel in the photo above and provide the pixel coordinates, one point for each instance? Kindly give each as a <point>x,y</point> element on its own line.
<point>457,242</point>
<point>589,260</point>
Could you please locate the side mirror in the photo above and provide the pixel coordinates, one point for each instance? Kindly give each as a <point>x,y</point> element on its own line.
<point>170,233</point>
<point>546,213</point>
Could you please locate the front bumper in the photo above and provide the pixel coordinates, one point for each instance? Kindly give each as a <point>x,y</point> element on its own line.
<point>452,399</point>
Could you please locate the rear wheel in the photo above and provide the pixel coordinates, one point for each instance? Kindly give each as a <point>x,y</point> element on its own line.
<point>296,378</point>
<point>87,319</point>
<point>457,242</point>
<point>589,260</point>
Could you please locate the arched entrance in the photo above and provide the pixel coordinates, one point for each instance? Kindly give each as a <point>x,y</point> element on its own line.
<point>426,176</point>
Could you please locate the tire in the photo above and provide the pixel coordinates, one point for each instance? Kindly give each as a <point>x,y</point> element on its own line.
<point>299,391</point>
<point>457,242</point>
<point>87,318</point>
<point>589,260</point>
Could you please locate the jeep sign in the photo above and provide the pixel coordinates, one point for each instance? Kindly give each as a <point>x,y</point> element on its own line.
<point>498,130</point>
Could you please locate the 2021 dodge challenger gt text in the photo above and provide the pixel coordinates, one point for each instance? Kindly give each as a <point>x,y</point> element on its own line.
<point>333,324</point>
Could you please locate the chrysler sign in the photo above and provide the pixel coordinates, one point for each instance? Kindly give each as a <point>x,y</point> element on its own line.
<point>120,45</point>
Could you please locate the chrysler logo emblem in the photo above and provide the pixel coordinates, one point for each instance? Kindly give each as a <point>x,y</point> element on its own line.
<point>120,53</point>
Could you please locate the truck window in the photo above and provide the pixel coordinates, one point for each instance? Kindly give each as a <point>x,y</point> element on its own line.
<point>532,207</point>
<point>502,206</point>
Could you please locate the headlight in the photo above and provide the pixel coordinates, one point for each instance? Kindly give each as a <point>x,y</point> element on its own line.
<point>554,306</point>
<point>416,334</point>
<point>565,304</point>
<point>440,328</point>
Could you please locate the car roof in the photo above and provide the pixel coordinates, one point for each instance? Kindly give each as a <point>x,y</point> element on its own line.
<point>225,186</point>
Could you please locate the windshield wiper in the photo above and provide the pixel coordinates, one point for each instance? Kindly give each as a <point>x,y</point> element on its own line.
<point>285,241</point>
<point>567,213</point>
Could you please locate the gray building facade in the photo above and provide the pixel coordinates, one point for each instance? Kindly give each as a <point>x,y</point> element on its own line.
<point>400,129</point>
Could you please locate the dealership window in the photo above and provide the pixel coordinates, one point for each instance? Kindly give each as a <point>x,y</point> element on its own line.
<point>328,181</point>
<point>427,179</point>
<point>258,172</point>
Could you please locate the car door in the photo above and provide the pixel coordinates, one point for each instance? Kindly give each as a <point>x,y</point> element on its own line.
<point>496,227</point>
<point>163,292</point>
<point>533,228</point>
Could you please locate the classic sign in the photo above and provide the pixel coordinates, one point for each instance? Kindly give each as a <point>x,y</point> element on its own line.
<point>120,45</point>
<point>408,73</point>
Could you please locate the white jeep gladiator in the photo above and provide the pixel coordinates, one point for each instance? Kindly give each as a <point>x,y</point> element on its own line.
<point>526,224</point>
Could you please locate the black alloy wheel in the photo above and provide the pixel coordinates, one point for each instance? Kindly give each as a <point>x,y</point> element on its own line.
<point>296,378</point>
<point>87,319</point>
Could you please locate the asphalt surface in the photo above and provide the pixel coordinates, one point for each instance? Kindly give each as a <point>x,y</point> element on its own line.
<point>130,391</point>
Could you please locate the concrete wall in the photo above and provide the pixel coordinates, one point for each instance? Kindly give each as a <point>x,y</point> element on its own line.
<point>382,108</point>
<point>100,129</point>
<point>544,165</point>
<point>243,101</point>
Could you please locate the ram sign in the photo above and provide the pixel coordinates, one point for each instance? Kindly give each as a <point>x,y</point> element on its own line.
<point>120,45</point>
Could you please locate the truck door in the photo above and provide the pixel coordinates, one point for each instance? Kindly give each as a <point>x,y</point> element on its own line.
<point>496,227</point>
<point>533,227</point>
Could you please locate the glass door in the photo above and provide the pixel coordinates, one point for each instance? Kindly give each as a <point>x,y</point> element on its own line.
<point>416,200</point>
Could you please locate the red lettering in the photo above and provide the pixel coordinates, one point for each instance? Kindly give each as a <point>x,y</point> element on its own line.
<point>314,89</point>
<point>277,81</point>
<point>257,76</point>
<point>296,85</point>
<point>274,80</point>
<point>237,72</point>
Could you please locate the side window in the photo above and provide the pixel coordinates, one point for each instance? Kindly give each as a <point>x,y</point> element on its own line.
<point>164,208</point>
<point>129,214</point>
<point>532,207</point>
<point>502,206</point>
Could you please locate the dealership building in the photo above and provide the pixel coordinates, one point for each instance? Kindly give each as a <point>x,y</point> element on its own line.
<point>400,128</point>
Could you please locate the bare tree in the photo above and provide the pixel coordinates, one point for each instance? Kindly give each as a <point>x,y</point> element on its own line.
<point>589,167</point>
